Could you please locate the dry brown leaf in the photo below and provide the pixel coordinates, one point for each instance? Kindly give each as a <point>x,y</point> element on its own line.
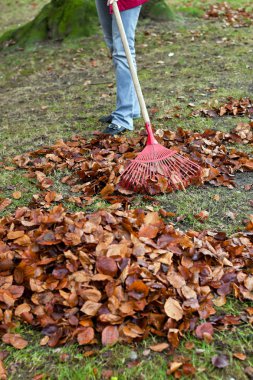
<point>110,335</point>
<point>3,373</point>
<point>15,340</point>
<point>159,347</point>
<point>16,194</point>
<point>173,367</point>
<point>91,308</point>
<point>4,203</point>
<point>173,309</point>
<point>239,355</point>
<point>85,336</point>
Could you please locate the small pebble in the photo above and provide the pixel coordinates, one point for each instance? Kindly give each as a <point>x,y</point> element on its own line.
<point>133,355</point>
<point>199,351</point>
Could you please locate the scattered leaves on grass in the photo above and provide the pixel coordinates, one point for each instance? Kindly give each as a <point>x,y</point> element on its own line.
<point>231,16</point>
<point>95,166</point>
<point>89,277</point>
<point>233,107</point>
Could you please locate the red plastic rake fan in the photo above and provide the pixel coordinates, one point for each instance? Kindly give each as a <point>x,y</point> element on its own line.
<point>155,162</point>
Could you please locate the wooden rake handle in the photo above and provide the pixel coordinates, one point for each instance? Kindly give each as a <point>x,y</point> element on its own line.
<point>137,86</point>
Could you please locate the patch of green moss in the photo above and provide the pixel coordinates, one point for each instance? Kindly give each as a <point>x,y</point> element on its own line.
<point>158,10</point>
<point>58,20</point>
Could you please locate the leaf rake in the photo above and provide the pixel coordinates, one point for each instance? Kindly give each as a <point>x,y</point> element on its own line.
<point>155,163</point>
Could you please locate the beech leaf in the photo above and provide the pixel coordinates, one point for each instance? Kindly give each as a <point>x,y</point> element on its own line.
<point>173,309</point>
<point>110,335</point>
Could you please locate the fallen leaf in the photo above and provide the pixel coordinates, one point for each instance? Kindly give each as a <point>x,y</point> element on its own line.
<point>159,347</point>
<point>3,373</point>
<point>4,203</point>
<point>15,340</point>
<point>205,331</point>
<point>239,355</point>
<point>202,215</point>
<point>17,194</point>
<point>107,266</point>
<point>173,309</point>
<point>110,335</point>
<point>85,336</point>
<point>220,361</point>
<point>91,308</point>
<point>189,345</point>
<point>173,367</point>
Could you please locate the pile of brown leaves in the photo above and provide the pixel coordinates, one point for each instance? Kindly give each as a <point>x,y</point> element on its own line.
<point>235,17</point>
<point>117,276</point>
<point>95,166</point>
<point>232,107</point>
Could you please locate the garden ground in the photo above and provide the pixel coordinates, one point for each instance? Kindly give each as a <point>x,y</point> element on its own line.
<point>56,91</point>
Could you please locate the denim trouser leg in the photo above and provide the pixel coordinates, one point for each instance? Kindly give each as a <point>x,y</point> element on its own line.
<point>105,19</point>
<point>127,105</point>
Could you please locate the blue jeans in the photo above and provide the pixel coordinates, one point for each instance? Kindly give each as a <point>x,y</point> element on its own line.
<point>127,105</point>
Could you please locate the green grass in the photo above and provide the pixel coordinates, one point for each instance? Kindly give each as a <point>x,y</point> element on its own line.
<point>57,91</point>
<point>15,13</point>
<point>69,361</point>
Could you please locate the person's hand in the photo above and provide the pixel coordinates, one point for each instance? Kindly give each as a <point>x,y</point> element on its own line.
<point>110,2</point>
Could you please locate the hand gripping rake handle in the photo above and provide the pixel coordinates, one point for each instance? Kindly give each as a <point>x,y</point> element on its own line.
<point>151,139</point>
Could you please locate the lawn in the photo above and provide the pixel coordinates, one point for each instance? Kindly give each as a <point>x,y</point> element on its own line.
<point>58,91</point>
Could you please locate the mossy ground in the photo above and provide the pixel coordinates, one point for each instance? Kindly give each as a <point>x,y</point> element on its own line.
<point>57,91</point>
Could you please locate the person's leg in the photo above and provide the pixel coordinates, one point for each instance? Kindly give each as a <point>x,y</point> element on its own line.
<point>105,19</point>
<point>127,105</point>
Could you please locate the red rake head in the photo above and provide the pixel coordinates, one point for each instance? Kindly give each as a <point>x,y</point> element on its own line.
<point>159,164</point>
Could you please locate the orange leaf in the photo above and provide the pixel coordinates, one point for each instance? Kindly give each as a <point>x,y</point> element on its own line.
<point>239,355</point>
<point>5,203</point>
<point>86,336</point>
<point>202,215</point>
<point>3,374</point>
<point>159,347</point>
<point>12,235</point>
<point>15,340</point>
<point>107,190</point>
<point>132,330</point>
<point>138,290</point>
<point>148,231</point>
<point>17,194</point>
<point>110,335</point>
